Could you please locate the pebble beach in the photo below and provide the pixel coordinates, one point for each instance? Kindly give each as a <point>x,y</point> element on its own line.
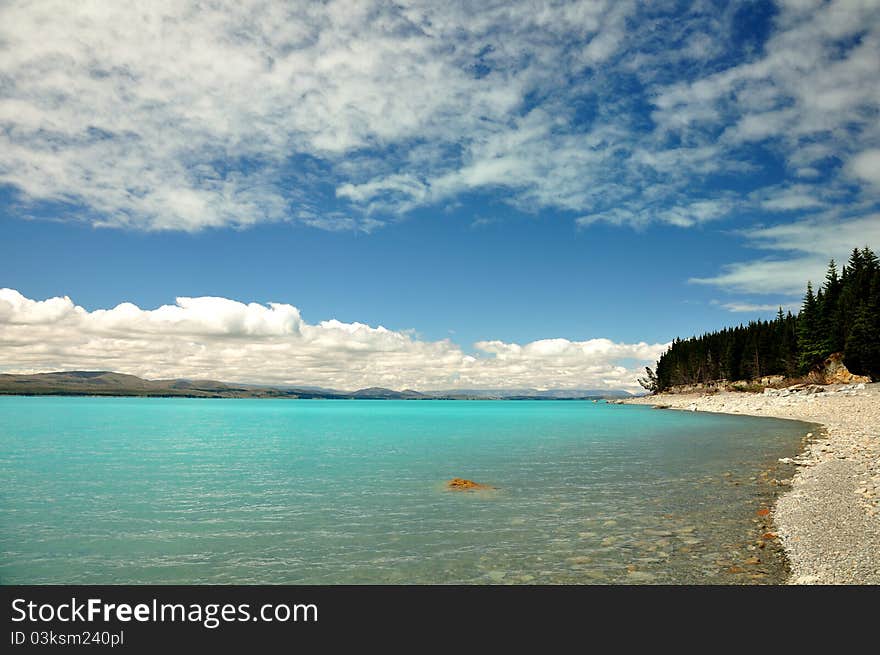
<point>829,518</point>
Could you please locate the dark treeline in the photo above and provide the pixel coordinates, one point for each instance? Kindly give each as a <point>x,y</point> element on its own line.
<point>843,316</point>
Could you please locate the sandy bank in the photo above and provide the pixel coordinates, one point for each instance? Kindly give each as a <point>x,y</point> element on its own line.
<point>829,521</point>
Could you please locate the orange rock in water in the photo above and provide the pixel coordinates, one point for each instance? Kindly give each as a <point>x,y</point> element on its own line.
<point>460,484</point>
<point>763,512</point>
<point>769,535</point>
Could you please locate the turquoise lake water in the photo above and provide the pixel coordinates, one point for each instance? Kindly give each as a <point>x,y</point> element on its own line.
<point>191,491</point>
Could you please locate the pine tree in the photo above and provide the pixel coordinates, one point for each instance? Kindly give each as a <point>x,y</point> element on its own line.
<point>809,343</point>
<point>862,352</point>
<point>842,316</point>
<point>830,329</point>
<point>649,382</point>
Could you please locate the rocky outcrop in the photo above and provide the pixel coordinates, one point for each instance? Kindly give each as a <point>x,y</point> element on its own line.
<point>834,371</point>
<point>460,484</point>
<point>830,371</point>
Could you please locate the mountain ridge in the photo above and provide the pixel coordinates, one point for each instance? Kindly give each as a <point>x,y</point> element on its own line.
<point>110,383</point>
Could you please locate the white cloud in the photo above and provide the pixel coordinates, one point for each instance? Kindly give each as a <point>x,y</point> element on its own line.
<point>227,340</point>
<point>791,202</point>
<point>809,245</point>
<point>181,115</point>
<point>796,197</point>
<point>810,97</point>
<point>683,214</point>
<point>825,236</point>
<point>185,115</point>
<point>752,308</point>
<point>866,166</point>
<point>768,276</point>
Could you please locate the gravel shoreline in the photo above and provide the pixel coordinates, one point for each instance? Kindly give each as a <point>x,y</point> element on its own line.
<point>829,521</point>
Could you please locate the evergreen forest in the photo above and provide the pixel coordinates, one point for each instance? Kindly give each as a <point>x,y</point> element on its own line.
<point>842,316</point>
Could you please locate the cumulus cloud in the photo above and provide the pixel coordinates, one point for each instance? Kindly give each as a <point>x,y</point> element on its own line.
<point>223,339</point>
<point>186,115</point>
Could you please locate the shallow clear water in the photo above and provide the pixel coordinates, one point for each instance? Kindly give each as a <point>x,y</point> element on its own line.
<point>132,490</point>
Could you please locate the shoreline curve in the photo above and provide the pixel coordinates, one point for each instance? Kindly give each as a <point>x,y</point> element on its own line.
<point>829,518</point>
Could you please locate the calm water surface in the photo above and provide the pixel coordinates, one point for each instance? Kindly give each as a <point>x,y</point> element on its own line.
<point>131,490</point>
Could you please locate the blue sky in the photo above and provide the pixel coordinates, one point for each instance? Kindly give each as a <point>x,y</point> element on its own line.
<point>519,279</point>
<point>504,174</point>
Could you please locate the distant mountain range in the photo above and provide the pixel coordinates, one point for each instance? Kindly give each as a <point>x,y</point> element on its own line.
<point>107,383</point>
<point>548,394</point>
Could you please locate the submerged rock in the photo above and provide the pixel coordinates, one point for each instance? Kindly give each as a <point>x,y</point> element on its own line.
<point>496,576</point>
<point>579,559</point>
<point>639,577</point>
<point>460,484</point>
